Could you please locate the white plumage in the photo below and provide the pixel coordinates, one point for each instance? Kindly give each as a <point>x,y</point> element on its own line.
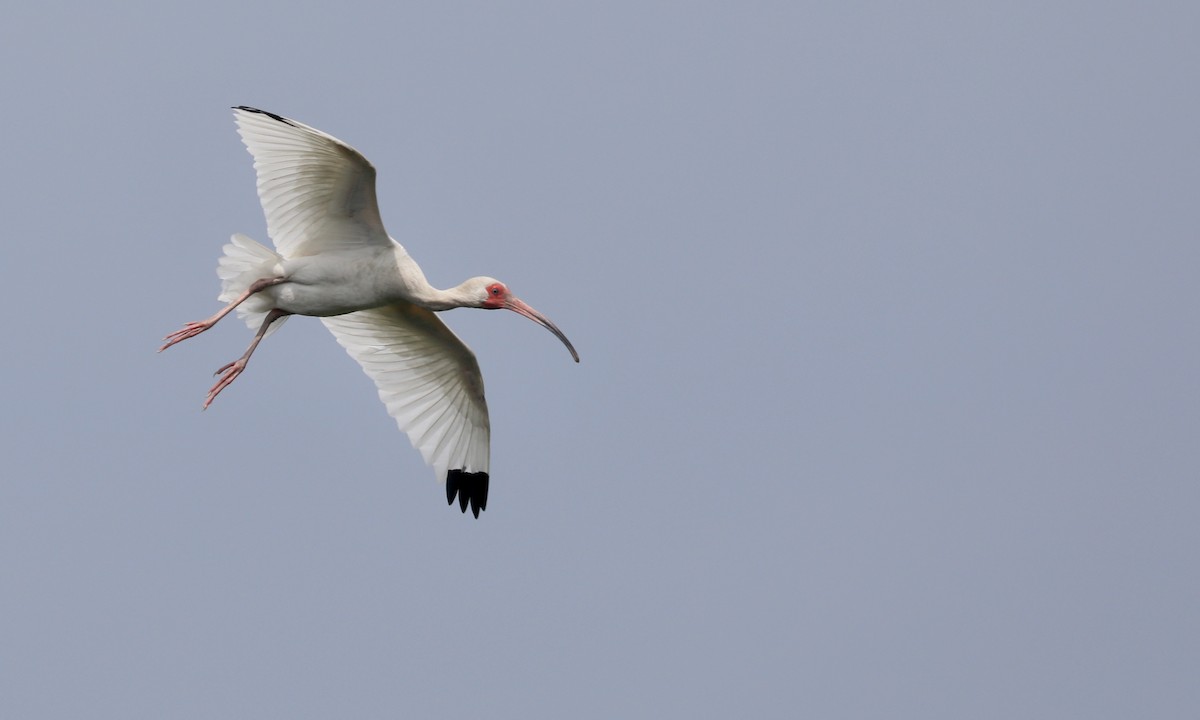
<point>428,379</point>
<point>334,260</point>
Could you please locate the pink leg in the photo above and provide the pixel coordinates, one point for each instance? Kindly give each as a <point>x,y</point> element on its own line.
<point>230,372</point>
<point>193,329</point>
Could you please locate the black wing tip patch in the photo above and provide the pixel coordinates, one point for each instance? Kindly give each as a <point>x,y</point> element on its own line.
<point>271,115</point>
<point>470,487</point>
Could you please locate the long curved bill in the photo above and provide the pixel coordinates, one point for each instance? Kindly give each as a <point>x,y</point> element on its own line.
<point>521,308</point>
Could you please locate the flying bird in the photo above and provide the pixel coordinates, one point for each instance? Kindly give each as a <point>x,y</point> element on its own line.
<point>334,260</point>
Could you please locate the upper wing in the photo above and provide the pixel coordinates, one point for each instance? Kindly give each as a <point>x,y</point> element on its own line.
<point>318,193</point>
<point>431,384</point>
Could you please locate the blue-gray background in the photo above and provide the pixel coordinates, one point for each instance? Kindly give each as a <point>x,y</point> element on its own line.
<point>888,401</point>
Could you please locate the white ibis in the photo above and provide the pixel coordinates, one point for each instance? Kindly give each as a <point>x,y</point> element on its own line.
<point>334,260</point>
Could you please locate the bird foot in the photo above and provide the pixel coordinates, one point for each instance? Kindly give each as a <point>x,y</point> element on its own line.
<point>192,329</point>
<point>228,374</point>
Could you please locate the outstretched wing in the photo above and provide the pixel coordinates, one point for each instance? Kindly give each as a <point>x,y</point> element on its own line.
<point>317,192</point>
<point>431,384</point>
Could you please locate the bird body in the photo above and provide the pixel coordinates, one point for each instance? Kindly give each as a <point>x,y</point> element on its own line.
<point>334,260</point>
<point>343,281</point>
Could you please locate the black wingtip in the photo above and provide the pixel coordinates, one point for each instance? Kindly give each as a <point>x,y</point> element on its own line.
<point>470,487</point>
<point>271,115</point>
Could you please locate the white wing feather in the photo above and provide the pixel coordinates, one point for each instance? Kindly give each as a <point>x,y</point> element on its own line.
<point>428,379</point>
<point>317,192</point>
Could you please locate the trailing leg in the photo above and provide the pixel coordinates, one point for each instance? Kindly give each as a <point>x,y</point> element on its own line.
<point>193,329</point>
<point>230,372</point>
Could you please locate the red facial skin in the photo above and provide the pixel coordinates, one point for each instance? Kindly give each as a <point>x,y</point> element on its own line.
<point>497,297</point>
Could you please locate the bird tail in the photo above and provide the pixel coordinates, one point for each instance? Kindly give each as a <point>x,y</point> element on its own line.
<point>244,262</point>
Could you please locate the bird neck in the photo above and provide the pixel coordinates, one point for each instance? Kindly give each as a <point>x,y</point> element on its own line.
<point>431,298</point>
<point>415,289</point>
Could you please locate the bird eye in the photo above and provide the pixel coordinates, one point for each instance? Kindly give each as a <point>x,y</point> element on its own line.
<point>495,291</point>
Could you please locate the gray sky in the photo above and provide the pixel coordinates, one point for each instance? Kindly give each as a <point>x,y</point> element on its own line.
<point>888,401</point>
